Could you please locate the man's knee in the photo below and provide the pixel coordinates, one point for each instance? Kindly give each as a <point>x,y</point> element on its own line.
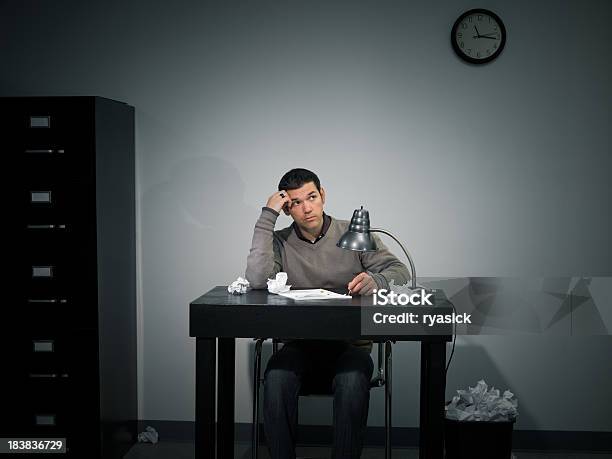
<point>354,372</point>
<point>277,378</point>
<point>279,384</point>
<point>279,389</point>
<point>352,383</point>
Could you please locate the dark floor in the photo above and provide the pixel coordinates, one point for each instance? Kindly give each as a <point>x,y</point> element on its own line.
<point>170,450</point>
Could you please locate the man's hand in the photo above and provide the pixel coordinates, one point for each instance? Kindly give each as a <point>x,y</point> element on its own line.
<point>362,284</point>
<point>278,200</point>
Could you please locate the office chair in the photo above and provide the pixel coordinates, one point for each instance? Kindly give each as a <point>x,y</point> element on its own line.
<point>381,378</point>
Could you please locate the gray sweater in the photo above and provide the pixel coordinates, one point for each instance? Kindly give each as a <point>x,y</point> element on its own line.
<point>315,265</point>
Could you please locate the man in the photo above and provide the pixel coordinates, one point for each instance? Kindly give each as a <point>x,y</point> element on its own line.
<point>307,252</point>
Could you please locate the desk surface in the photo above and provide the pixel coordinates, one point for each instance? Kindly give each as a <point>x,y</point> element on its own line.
<point>258,313</point>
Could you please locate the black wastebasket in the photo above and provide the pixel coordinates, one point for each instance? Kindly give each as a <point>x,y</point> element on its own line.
<point>478,439</point>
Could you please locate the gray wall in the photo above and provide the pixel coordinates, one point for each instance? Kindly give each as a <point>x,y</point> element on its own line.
<point>500,170</point>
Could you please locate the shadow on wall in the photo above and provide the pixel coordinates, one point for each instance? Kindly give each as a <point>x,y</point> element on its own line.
<point>191,216</point>
<point>192,212</point>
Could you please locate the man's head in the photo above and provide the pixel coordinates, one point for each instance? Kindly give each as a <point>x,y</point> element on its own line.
<point>307,199</point>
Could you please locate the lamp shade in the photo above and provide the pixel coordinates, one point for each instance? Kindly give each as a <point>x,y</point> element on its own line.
<point>358,236</point>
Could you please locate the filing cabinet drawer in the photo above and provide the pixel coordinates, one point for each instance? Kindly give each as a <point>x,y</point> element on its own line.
<point>48,268</point>
<point>37,312</point>
<point>46,277</point>
<point>58,240</point>
<point>49,138</point>
<point>37,356</point>
<point>68,251</point>
<point>52,160</point>
<point>58,408</point>
<point>56,403</point>
<point>49,117</point>
<point>45,285</point>
<point>55,280</point>
<point>46,202</point>
<point>54,379</point>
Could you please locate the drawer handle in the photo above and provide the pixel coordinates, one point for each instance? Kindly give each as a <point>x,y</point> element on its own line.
<point>44,419</point>
<point>43,375</point>
<point>47,345</point>
<point>40,121</point>
<point>39,150</point>
<point>40,197</point>
<point>47,300</point>
<point>46,227</point>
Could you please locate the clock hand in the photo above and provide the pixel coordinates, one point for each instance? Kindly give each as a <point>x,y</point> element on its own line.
<point>490,38</point>
<point>487,34</point>
<point>477,34</point>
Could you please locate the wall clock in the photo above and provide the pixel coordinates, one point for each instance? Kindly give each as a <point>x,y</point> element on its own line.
<point>478,36</point>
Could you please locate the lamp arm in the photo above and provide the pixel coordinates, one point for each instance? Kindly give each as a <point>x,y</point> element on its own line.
<point>412,268</point>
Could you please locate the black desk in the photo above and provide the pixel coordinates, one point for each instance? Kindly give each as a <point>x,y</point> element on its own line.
<point>218,314</point>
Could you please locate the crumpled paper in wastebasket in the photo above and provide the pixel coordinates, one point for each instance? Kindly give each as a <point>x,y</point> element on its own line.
<point>482,404</point>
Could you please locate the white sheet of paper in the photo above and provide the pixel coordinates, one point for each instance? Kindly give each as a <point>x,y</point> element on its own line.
<point>314,294</point>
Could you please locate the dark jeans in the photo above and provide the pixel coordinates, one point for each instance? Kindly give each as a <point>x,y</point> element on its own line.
<point>345,371</point>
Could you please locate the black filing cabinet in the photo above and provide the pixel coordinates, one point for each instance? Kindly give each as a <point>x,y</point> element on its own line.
<point>68,316</point>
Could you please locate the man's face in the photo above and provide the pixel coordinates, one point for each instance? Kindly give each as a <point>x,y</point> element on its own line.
<point>307,207</point>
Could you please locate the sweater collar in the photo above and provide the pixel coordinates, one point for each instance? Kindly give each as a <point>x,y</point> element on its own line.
<point>326,224</point>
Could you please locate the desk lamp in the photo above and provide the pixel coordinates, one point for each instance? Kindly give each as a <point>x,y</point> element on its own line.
<point>358,238</point>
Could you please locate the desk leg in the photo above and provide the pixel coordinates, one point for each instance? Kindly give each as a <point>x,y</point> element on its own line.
<point>433,385</point>
<point>206,359</point>
<point>225,407</point>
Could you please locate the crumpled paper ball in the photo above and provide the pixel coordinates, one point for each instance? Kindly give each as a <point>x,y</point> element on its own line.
<point>150,435</point>
<point>482,404</point>
<point>277,285</point>
<point>239,286</point>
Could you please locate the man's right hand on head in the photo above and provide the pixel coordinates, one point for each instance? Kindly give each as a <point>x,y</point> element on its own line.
<point>278,200</point>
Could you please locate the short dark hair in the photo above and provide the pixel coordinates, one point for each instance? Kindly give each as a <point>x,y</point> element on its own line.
<point>296,178</point>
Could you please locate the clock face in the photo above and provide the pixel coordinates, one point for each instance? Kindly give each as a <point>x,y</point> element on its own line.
<point>478,36</point>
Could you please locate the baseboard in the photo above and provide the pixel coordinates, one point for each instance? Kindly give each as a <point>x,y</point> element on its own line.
<point>546,440</point>
<point>402,437</point>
